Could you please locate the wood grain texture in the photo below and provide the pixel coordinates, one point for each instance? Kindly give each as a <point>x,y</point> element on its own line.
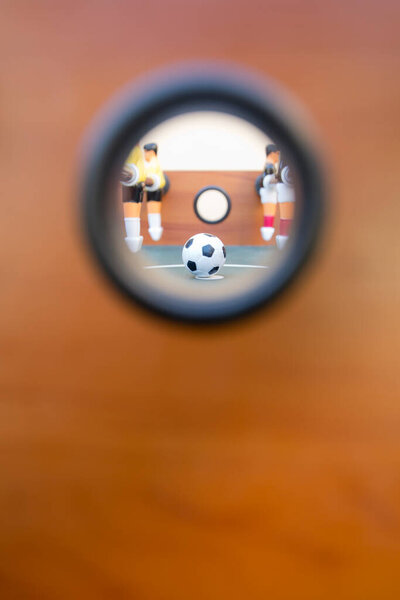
<point>145,460</point>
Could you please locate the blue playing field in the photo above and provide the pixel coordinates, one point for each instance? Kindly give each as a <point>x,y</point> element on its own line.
<point>239,259</point>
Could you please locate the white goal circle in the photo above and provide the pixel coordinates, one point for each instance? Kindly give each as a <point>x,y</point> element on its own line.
<point>212,204</point>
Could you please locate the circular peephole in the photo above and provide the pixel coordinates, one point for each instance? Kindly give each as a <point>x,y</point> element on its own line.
<point>212,204</point>
<point>230,143</point>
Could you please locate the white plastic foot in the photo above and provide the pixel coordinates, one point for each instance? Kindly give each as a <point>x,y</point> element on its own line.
<point>267,233</point>
<point>134,243</point>
<point>281,241</point>
<point>155,233</point>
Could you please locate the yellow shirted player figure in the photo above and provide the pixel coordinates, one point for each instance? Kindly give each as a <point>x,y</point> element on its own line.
<point>133,180</point>
<point>142,173</point>
<point>154,191</point>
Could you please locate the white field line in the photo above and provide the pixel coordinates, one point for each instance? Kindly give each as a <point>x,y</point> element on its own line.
<point>230,265</point>
<point>249,266</point>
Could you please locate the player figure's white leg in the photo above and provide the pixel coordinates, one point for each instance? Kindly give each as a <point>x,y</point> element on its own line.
<point>155,229</point>
<point>133,238</point>
<point>268,196</point>
<point>154,218</point>
<point>132,210</point>
<point>286,198</point>
<point>281,241</point>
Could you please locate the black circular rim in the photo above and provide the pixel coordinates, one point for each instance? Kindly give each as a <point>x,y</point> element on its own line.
<point>185,89</point>
<point>219,189</point>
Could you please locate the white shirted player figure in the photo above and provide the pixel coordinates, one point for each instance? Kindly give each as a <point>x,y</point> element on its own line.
<point>276,188</point>
<point>269,198</point>
<point>286,198</point>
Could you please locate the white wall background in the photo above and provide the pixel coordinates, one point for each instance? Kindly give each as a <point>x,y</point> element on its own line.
<point>208,141</point>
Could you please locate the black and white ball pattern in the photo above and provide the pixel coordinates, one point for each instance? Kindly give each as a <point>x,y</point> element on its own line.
<point>204,254</point>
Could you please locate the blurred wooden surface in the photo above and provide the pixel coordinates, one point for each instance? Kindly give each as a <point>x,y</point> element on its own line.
<point>146,460</point>
<point>180,221</point>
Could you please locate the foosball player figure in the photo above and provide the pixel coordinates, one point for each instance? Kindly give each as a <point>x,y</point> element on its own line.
<point>269,198</point>
<point>133,180</point>
<point>154,190</point>
<point>286,198</point>
<point>276,188</point>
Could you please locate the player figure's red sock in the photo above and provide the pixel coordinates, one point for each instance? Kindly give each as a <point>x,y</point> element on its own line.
<point>268,221</point>
<point>285,226</point>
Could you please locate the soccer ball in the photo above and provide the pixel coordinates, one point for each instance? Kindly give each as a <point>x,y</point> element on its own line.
<point>203,255</point>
